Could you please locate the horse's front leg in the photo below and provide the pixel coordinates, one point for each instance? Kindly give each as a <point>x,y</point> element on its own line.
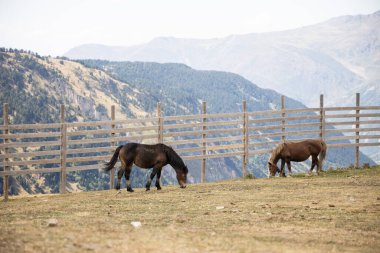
<point>148,183</point>
<point>289,168</point>
<point>158,179</point>
<point>282,171</point>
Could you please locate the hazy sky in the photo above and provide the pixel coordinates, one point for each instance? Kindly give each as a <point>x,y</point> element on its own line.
<point>53,27</point>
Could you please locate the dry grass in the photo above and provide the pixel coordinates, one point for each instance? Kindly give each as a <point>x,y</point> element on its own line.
<point>336,212</point>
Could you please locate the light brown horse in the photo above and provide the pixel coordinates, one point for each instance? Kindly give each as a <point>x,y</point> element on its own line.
<point>289,151</point>
<point>147,156</point>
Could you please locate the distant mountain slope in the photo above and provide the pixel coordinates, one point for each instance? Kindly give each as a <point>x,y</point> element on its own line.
<point>336,58</point>
<point>42,83</point>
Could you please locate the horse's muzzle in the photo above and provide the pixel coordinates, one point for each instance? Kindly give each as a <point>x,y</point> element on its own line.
<point>183,186</point>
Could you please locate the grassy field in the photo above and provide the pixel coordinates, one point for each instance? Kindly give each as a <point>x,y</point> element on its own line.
<point>336,212</point>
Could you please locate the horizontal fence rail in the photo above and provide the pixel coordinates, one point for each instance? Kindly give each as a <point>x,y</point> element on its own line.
<point>64,147</point>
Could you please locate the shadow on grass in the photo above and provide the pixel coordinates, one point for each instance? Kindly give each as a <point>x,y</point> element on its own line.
<point>341,172</point>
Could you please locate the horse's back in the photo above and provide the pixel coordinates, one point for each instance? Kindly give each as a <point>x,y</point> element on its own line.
<point>317,143</point>
<point>301,150</point>
<point>147,156</point>
<point>131,145</point>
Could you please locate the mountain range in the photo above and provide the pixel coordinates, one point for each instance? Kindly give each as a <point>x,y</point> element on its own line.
<point>34,86</point>
<point>338,58</point>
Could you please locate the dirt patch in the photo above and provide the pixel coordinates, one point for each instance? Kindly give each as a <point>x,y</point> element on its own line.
<point>336,212</point>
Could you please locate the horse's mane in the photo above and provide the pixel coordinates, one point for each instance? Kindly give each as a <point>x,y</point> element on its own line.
<point>173,158</point>
<point>276,151</point>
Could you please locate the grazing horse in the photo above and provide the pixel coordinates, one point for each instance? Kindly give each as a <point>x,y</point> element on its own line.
<point>297,152</point>
<point>147,156</point>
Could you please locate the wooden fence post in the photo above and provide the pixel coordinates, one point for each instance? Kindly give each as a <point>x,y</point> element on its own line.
<point>112,174</point>
<point>160,132</point>
<point>357,132</point>
<point>322,120</point>
<point>283,117</point>
<point>63,150</point>
<point>245,138</point>
<point>203,165</point>
<point>6,140</point>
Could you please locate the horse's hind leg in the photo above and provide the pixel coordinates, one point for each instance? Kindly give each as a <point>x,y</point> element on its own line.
<point>158,179</point>
<point>126,162</point>
<point>152,175</point>
<point>317,163</point>
<point>313,163</point>
<point>119,176</point>
<point>127,176</point>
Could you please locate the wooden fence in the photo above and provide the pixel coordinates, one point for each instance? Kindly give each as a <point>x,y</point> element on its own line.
<point>65,147</point>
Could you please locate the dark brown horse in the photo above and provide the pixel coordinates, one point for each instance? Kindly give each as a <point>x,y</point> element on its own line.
<point>297,152</point>
<point>147,156</point>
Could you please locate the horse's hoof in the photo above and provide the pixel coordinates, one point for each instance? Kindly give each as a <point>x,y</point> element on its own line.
<point>159,188</point>
<point>130,190</point>
<point>147,189</point>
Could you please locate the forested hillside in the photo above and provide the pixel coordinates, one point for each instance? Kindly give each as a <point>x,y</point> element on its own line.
<point>179,84</point>
<point>35,86</point>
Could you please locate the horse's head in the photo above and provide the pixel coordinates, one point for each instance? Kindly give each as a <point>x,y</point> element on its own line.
<point>182,176</point>
<point>273,169</point>
<point>178,165</point>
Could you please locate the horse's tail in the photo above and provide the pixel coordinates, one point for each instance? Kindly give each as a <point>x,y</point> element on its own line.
<point>113,160</point>
<point>322,154</point>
